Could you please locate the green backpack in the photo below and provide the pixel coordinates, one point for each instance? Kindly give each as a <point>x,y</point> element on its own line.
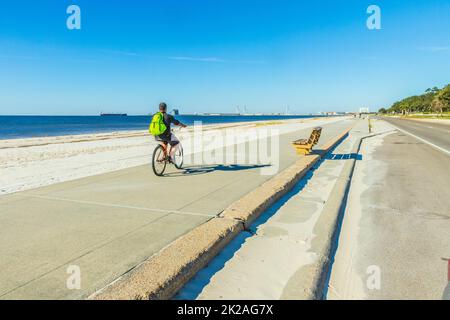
<point>157,126</point>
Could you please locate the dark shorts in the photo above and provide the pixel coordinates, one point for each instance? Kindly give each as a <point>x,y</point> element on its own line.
<point>172,140</point>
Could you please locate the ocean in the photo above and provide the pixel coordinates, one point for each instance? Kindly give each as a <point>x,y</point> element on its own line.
<point>14,127</point>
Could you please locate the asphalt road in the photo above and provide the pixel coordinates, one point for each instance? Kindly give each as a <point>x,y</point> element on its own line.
<point>435,133</point>
<point>396,227</point>
<point>107,224</point>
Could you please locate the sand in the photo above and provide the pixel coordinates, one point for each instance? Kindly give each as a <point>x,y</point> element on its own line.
<point>34,162</point>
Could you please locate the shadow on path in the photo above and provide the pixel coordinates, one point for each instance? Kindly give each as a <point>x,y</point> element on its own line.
<point>343,156</point>
<point>194,170</point>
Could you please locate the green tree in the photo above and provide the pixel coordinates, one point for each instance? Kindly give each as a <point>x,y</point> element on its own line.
<point>441,101</point>
<point>432,90</point>
<point>422,103</point>
<point>445,95</point>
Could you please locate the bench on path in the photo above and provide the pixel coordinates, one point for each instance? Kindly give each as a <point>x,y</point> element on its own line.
<point>304,146</point>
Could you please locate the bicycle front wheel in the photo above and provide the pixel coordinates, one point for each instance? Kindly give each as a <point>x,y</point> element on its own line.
<point>159,161</point>
<point>178,157</point>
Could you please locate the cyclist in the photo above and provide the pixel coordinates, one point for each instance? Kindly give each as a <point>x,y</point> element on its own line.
<point>167,137</point>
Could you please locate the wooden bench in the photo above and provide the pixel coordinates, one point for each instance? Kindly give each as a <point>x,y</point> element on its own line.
<point>304,146</point>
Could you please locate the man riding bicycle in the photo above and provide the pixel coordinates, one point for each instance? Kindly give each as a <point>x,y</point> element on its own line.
<point>167,137</point>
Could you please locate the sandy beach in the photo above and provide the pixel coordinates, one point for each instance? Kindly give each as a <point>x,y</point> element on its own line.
<point>34,162</point>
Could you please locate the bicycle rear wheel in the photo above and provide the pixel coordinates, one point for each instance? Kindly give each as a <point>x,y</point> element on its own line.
<point>178,157</point>
<point>159,161</point>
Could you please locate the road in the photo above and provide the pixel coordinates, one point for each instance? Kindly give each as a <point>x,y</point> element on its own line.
<point>396,227</point>
<point>433,132</point>
<point>109,223</point>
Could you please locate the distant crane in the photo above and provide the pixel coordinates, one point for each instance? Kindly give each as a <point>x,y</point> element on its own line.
<point>287,111</point>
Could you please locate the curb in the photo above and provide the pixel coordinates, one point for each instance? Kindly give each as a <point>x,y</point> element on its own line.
<point>165,273</point>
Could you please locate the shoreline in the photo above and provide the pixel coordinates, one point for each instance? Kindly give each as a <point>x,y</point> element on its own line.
<point>131,130</point>
<point>96,136</point>
<point>67,138</point>
<point>30,163</point>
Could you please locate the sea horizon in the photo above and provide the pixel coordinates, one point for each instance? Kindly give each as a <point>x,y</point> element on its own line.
<point>37,126</point>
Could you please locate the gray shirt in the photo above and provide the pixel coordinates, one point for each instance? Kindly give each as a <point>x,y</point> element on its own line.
<point>168,120</point>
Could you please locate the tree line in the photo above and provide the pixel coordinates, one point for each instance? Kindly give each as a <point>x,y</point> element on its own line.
<point>433,100</point>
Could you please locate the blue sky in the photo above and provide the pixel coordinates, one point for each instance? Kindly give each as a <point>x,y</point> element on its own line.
<point>211,55</point>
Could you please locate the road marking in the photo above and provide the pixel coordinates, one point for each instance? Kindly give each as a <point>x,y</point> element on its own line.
<point>121,206</point>
<point>423,140</point>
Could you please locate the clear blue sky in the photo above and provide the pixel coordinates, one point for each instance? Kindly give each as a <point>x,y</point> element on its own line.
<point>211,55</point>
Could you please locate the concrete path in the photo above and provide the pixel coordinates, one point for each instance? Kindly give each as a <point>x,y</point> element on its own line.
<point>108,224</point>
<point>267,262</point>
<point>396,229</point>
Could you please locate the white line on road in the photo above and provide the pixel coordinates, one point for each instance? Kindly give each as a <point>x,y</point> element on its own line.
<point>423,140</point>
<point>121,206</point>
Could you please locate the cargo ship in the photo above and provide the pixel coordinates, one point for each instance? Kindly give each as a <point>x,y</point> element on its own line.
<point>113,114</point>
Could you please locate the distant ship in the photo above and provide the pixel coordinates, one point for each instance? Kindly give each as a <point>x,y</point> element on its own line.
<point>113,114</point>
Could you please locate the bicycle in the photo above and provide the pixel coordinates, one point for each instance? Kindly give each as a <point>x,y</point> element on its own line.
<point>161,157</point>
